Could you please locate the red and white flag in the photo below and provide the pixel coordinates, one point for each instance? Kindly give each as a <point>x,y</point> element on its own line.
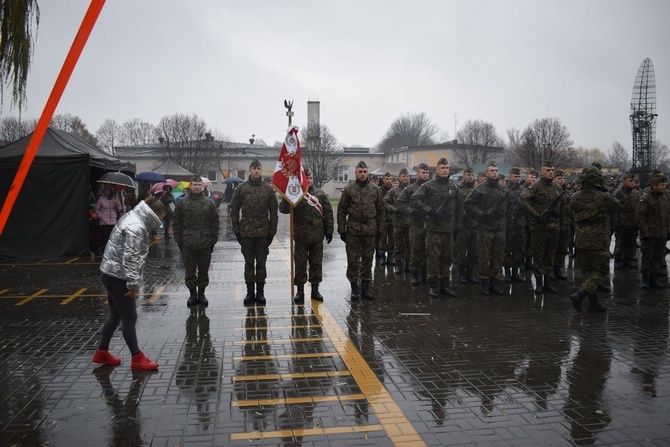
<point>289,177</point>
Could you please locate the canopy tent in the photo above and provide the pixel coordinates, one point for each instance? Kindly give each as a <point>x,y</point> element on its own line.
<point>173,170</point>
<point>50,216</point>
<point>393,169</point>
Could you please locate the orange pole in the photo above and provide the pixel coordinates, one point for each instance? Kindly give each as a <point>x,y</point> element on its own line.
<point>49,109</point>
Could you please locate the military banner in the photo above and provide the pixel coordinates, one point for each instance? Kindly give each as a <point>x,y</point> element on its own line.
<point>289,177</point>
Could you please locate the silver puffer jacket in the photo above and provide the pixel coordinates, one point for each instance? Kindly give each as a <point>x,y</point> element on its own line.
<point>128,245</point>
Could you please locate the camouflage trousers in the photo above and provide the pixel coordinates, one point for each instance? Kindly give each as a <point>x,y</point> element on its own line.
<point>439,254</point>
<point>386,242</point>
<point>515,247</point>
<point>255,251</point>
<point>401,244</point>
<point>417,244</point>
<point>360,251</point>
<point>490,253</point>
<point>564,236</point>
<point>624,246</point>
<point>312,253</point>
<point>544,243</point>
<point>595,266</point>
<point>653,255</point>
<point>196,260</point>
<point>466,247</point>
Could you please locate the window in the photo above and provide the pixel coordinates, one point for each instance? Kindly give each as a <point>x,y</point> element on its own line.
<point>342,174</point>
<point>211,175</point>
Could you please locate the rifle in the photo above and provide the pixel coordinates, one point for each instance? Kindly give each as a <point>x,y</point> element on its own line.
<point>445,203</point>
<point>546,212</point>
<point>489,212</point>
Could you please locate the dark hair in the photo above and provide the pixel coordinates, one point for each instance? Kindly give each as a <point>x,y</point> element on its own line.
<point>156,205</point>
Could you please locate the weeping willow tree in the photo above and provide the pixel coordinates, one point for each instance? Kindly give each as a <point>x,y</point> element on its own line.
<point>18,19</point>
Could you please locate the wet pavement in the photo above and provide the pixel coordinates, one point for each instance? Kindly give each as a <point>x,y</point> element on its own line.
<point>401,370</point>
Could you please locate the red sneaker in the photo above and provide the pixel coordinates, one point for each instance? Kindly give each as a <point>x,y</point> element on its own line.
<point>103,356</point>
<point>141,363</point>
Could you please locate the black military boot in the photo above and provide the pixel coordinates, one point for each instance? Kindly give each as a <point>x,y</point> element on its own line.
<point>631,263</point>
<point>316,296</point>
<point>471,276</point>
<point>645,282</point>
<point>493,287</point>
<point>548,287</point>
<point>654,283</point>
<point>463,275</point>
<point>424,276</point>
<point>382,258</point>
<point>354,291</point>
<point>397,268</point>
<point>202,300</point>
<point>299,297</point>
<point>595,306</point>
<point>558,273</point>
<point>508,274</point>
<point>433,289</point>
<point>529,264</point>
<point>389,258</point>
<point>415,281</point>
<point>251,295</point>
<point>516,276</point>
<point>539,286</point>
<point>193,297</point>
<point>365,290</point>
<point>618,263</point>
<point>604,287</point>
<point>260,296</point>
<point>444,288</point>
<point>484,285</point>
<point>663,271</point>
<point>577,299</point>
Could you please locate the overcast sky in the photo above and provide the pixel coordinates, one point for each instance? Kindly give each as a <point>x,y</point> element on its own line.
<point>368,62</point>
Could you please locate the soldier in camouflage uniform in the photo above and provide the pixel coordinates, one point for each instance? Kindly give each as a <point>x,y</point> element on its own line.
<point>417,232</point>
<point>545,231</point>
<point>360,221</point>
<point>195,225</point>
<point>255,229</point>
<point>528,182</point>
<point>626,230</point>
<point>400,223</point>
<point>487,205</point>
<point>515,241</point>
<point>593,208</point>
<point>653,215</point>
<point>429,200</point>
<point>466,240</point>
<point>564,231</point>
<point>312,221</point>
<point>386,242</point>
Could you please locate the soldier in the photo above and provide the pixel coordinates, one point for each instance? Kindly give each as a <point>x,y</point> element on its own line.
<point>466,240</point>
<point>626,230</point>
<point>255,229</point>
<point>542,205</point>
<point>592,207</point>
<point>360,220</point>
<point>439,200</point>
<point>195,225</point>
<point>516,230</point>
<point>653,214</point>
<point>564,231</point>
<point>488,207</point>
<point>400,223</point>
<point>417,232</point>
<point>386,241</point>
<point>374,179</point>
<point>312,221</point>
<point>528,182</point>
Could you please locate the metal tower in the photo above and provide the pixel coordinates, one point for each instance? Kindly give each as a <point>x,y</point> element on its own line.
<point>643,116</point>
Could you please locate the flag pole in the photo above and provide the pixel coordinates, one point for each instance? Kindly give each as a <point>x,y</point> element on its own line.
<point>291,237</point>
<point>54,98</point>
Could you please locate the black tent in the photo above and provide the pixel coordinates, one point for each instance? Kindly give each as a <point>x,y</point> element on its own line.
<point>50,216</point>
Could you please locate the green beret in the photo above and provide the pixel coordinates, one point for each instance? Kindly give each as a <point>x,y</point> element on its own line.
<point>595,164</point>
<point>548,164</point>
<point>196,178</point>
<point>373,178</point>
<point>469,169</point>
<point>308,171</point>
<point>361,164</point>
<point>492,163</point>
<point>658,178</point>
<point>255,163</point>
<point>423,166</point>
<point>559,174</point>
<point>516,171</point>
<point>403,171</point>
<point>442,161</point>
<point>628,175</point>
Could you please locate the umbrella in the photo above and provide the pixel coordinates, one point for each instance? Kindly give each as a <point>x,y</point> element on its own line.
<point>206,181</point>
<point>159,186</point>
<point>149,176</point>
<point>117,178</point>
<point>233,180</point>
<point>178,190</point>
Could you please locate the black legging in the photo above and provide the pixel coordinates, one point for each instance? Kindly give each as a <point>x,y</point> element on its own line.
<point>121,310</point>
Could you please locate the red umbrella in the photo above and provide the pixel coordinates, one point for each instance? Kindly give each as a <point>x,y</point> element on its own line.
<point>159,186</point>
<point>206,181</point>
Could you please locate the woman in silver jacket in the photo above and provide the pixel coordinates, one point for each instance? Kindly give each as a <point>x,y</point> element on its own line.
<point>121,271</point>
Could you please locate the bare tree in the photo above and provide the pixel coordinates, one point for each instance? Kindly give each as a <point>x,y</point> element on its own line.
<point>74,125</point>
<point>660,154</point>
<point>109,135</point>
<point>512,144</point>
<point>479,138</point>
<point>136,132</point>
<point>618,157</point>
<point>12,128</point>
<point>411,129</point>
<point>585,157</point>
<point>187,140</point>
<point>320,152</point>
<point>545,139</point>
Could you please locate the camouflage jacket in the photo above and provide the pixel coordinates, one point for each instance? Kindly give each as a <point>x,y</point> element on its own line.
<point>195,222</point>
<point>309,225</point>
<point>653,215</point>
<point>629,198</point>
<point>462,219</point>
<point>361,210</point>
<point>258,204</point>
<point>428,198</point>
<point>516,217</point>
<point>402,204</point>
<point>536,198</point>
<point>593,210</point>
<point>400,220</point>
<point>482,200</point>
<point>385,190</point>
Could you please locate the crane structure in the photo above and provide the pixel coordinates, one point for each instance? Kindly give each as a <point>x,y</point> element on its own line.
<point>643,116</point>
